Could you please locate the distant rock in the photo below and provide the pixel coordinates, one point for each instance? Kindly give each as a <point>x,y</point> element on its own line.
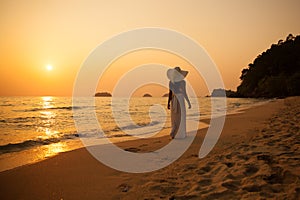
<point>102,94</point>
<point>165,95</point>
<point>147,95</point>
<point>218,93</point>
<point>223,93</point>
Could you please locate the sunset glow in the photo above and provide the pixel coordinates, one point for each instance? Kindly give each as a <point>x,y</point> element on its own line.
<point>49,67</point>
<point>232,32</point>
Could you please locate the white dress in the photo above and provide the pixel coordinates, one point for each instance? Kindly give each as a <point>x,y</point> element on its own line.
<point>178,112</point>
<point>178,116</point>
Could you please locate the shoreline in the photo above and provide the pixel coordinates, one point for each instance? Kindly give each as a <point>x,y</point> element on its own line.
<point>16,156</point>
<point>44,152</point>
<point>241,165</point>
<point>30,156</point>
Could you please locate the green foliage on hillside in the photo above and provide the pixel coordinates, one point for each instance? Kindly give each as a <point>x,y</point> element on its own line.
<point>274,73</point>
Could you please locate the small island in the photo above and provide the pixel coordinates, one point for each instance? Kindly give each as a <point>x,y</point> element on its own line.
<point>147,95</point>
<point>223,93</point>
<point>102,94</point>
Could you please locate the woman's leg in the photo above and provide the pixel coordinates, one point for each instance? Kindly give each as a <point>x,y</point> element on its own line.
<point>181,132</point>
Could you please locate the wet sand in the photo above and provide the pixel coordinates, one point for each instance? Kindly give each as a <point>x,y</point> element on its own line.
<point>256,157</point>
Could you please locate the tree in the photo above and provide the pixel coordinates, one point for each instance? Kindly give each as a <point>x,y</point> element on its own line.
<point>275,72</point>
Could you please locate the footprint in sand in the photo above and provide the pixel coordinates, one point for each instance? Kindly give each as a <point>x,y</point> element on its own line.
<point>267,158</point>
<point>190,167</point>
<point>204,182</point>
<point>250,170</point>
<point>143,145</point>
<point>124,187</point>
<point>164,189</point>
<point>276,177</point>
<point>132,149</point>
<point>161,180</point>
<point>185,197</point>
<point>229,164</point>
<point>203,170</point>
<point>243,157</point>
<point>226,194</point>
<point>229,156</point>
<point>231,185</point>
<point>233,177</point>
<point>285,177</point>
<point>252,188</point>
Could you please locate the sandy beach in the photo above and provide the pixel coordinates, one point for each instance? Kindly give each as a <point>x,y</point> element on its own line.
<point>256,157</point>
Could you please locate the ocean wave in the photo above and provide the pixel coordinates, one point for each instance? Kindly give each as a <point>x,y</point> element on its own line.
<point>6,105</point>
<point>18,119</point>
<point>60,137</point>
<point>33,143</point>
<point>27,144</point>
<point>14,147</point>
<point>54,108</point>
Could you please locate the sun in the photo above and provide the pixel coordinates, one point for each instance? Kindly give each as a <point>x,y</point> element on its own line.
<point>49,67</point>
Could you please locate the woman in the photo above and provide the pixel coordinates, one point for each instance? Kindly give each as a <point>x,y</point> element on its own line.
<point>177,95</point>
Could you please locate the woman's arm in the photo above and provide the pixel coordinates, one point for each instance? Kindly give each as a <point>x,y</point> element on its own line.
<point>169,98</point>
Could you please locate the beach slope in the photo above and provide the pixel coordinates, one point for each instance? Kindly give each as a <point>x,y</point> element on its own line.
<point>256,157</point>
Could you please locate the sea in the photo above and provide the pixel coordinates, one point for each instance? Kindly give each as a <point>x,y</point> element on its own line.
<point>36,128</point>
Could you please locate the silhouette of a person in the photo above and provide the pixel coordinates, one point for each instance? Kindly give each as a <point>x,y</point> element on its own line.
<point>176,102</point>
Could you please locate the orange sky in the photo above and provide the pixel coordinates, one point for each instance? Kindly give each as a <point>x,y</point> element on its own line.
<point>35,34</point>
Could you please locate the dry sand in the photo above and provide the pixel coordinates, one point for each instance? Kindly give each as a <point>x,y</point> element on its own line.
<point>256,157</point>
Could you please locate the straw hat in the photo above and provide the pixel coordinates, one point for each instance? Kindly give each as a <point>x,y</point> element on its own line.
<point>176,74</point>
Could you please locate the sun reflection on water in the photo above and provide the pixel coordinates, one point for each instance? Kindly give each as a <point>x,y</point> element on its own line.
<point>54,149</point>
<point>50,132</point>
<point>48,118</point>
<point>47,102</point>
